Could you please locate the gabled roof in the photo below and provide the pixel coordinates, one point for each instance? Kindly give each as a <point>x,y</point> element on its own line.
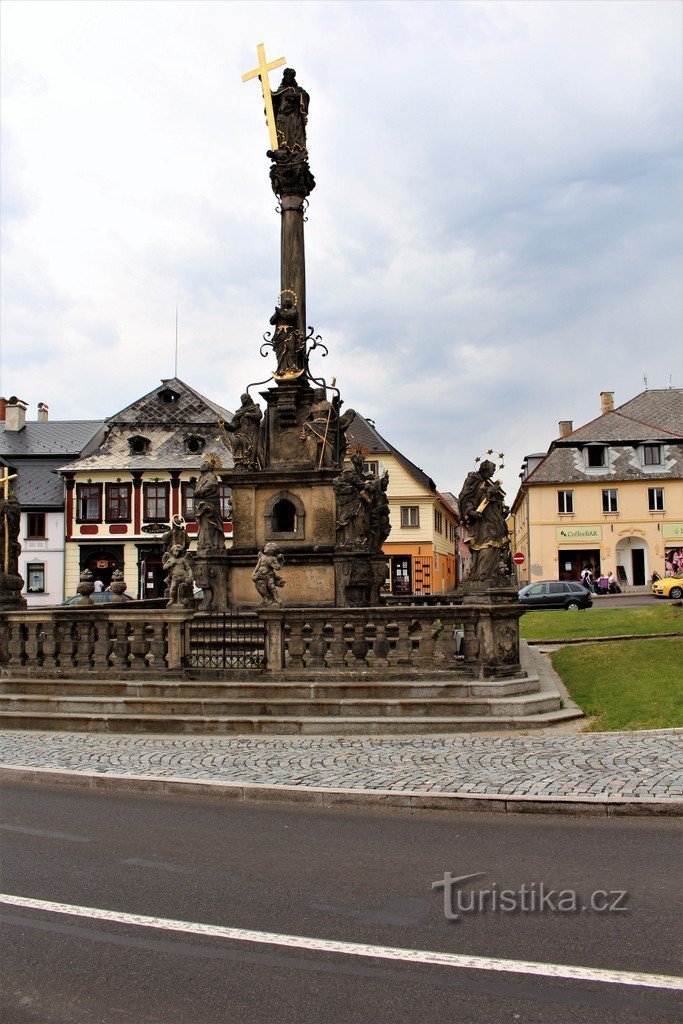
<point>61,438</point>
<point>363,432</point>
<point>613,427</point>
<point>662,407</point>
<point>190,407</point>
<point>167,425</point>
<point>38,485</point>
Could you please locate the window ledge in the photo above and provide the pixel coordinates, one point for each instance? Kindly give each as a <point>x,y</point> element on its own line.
<point>566,515</point>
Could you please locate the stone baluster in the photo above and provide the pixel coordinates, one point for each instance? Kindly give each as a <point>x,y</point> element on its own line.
<point>139,645</point>
<point>100,647</point>
<point>296,648</point>
<point>119,652</point>
<point>157,645</point>
<point>403,648</point>
<point>15,645</point>
<point>32,644</point>
<point>427,635</point>
<point>318,644</point>
<point>84,642</point>
<point>48,641</point>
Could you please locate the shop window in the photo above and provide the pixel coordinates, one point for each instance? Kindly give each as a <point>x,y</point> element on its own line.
<point>610,500</point>
<point>187,492</point>
<point>156,502</point>
<point>89,503</point>
<point>565,502</point>
<point>226,502</point>
<point>655,499</point>
<point>35,526</point>
<point>117,503</point>
<point>410,515</point>
<point>652,454</point>
<point>35,578</point>
<point>595,455</point>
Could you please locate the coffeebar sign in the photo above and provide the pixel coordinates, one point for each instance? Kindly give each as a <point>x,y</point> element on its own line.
<point>673,530</point>
<point>570,534</point>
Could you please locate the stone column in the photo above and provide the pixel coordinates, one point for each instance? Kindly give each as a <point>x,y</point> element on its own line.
<point>292,254</point>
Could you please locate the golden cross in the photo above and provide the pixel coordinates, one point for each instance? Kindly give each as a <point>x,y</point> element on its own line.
<point>261,72</point>
<point>4,480</point>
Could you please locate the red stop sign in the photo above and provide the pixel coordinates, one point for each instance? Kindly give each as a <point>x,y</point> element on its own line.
<point>518,558</point>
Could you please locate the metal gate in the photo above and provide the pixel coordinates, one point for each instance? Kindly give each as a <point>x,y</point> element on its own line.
<point>225,640</point>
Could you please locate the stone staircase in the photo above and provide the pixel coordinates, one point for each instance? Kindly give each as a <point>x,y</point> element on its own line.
<point>256,705</point>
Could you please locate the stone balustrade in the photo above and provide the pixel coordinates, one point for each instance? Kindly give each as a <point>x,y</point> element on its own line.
<point>114,640</point>
<point>478,639</point>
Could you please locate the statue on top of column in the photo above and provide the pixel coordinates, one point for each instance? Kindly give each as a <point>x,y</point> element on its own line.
<point>290,106</point>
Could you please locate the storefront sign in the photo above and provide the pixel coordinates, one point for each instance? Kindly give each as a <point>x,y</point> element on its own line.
<point>154,528</point>
<point>572,534</point>
<point>673,530</point>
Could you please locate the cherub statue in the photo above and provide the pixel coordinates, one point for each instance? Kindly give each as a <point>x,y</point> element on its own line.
<point>179,577</point>
<point>265,575</point>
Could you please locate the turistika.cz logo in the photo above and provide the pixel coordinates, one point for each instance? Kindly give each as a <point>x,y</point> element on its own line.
<point>529,898</point>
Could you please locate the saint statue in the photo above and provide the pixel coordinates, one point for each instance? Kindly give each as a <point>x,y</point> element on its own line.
<point>319,431</point>
<point>288,340</point>
<point>353,505</point>
<point>380,526</point>
<point>290,106</point>
<point>244,434</point>
<point>483,510</point>
<point>207,507</point>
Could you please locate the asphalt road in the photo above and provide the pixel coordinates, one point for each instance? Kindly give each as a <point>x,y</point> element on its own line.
<point>363,877</point>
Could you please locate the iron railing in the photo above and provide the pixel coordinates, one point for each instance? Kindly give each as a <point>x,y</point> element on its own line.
<point>226,640</point>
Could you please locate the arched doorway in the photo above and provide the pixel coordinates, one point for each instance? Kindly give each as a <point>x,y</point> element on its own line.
<point>102,562</point>
<point>632,561</point>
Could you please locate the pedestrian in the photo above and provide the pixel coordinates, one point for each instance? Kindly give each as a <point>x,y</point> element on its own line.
<point>603,584</point>
<point>587,578</point>
<point>613,587</point>
<point>99,585</point>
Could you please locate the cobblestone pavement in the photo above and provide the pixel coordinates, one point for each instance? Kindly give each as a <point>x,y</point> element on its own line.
<point>643,766</point>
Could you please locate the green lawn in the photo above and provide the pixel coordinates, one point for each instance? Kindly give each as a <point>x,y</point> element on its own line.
<point>628,684</point>
<point>562,625</point>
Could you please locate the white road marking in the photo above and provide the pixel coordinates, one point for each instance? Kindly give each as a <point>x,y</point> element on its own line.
<point>419,956</point>
<point>43,833</point>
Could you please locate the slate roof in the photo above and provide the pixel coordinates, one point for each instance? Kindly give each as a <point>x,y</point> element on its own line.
<point>167,426</point>
<point>652,416</point>
<point>39,485</point>
<point>55,437</point>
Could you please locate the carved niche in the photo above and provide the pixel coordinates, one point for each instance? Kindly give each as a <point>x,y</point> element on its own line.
<point>284,516</point>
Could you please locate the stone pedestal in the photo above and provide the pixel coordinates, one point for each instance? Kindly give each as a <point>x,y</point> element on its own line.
<point>492,641</point>
<point>11,585</point>
<point>211,574</point>
<point>358,579</point>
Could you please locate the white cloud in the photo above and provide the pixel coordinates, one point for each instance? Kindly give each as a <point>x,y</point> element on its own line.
<point>490,245</point>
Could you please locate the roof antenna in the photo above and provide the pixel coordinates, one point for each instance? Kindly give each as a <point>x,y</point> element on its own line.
<point>645,381</point>
<point>669,385</point>
<point>175,369</point>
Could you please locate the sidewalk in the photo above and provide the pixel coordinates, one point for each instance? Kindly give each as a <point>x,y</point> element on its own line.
<point>598,773</point>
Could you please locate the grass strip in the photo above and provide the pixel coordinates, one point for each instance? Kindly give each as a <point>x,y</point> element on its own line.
<point>562,625</point>
<point>635,684</point>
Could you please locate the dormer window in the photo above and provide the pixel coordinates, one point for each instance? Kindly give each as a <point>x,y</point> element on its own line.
<point>168,395</point>
<point>138,444</point>
<point>652,455</point>
<point>595,455</point>
<point>195,444</point>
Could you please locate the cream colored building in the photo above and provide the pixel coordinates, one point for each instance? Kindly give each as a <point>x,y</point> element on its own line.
<point>608,495</point>
<point>421,546</point>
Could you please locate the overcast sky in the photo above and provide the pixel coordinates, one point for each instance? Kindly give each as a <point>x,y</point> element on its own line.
<point>495,235</point>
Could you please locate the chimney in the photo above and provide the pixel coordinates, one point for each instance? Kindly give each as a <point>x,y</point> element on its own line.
<point>43,412</point>
<point>15,414</point>
<point>3,407</point>
<point>606,402</point>
<point>566,427</point>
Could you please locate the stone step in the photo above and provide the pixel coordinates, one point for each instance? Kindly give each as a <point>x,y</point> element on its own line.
<point>219,707</point>
<point>332,690</point>
<point>284,725</point>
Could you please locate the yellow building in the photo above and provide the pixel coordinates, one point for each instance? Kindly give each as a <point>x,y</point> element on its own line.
<point>421,546</point>
<point>121,496</point>
<point>608,496</point>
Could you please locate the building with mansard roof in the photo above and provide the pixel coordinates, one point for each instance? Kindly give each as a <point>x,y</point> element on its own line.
<point>121,495</point>
<point>607,496</point>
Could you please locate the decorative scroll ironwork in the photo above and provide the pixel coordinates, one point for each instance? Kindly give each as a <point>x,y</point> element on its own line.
<point>224,640</point>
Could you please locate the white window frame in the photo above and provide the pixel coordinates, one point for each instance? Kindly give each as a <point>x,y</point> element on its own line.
<point>407,515</point>
<point>610,498</point>
<point>562,497</point>
<point>652,495</point>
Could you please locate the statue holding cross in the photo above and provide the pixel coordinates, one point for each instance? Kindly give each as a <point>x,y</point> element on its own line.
<point>286,108</point>
<point>11,583</point>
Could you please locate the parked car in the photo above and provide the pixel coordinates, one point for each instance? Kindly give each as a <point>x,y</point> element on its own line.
<point>555,594</point>
<point>670,586</point>
<point>104,597</point>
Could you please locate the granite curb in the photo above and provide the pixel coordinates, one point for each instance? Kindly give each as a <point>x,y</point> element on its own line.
<point>333,797</point>
<point>603,639</point>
